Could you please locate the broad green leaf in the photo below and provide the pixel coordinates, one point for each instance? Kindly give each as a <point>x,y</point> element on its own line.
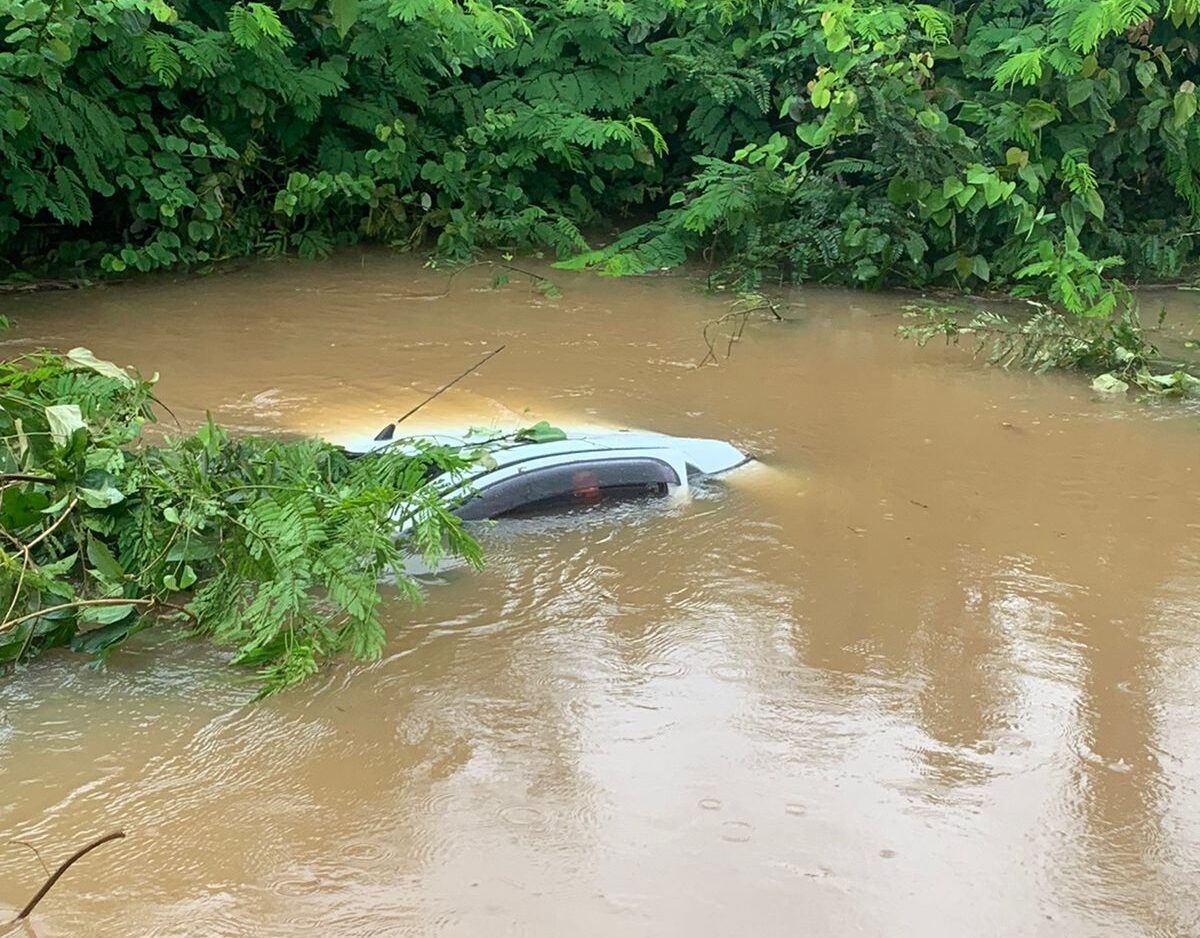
<point>814,134</point>
<point>1015,156</point>
<point>930,119</point>
<point>1185,106</point>
<point>64,420</point>
<point>111,633</point>
<point>161,10</point>
<point>106,614</point>
<point>965,195</point>
<point>181,582</point>
<point>1188,383</point>
<point>1079,91</point>
<point>901,190</point>
<point>1109,384</point>
<point>541,432</point>
<point>98,489</point>
<point>344,14</point>
<point>915,246</point>
<point>60,567</point>
<point>59,49</point>
<point>21,507</point>
<point>14,641</point>
<point>191,548</point>
<point>102,559</point>
<point>1029,176</point>
<point>14,119</point>
<point>1039,113</point>
<point>83,358</point>
<point>57,506</point>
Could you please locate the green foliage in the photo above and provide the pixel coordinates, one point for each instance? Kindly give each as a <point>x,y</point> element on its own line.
<point>1041,147</point>
<point>540,432</point>
<point>1116,348</point>
<point>137,135</point>
<point>274,548</point>
<point>1034,147</point>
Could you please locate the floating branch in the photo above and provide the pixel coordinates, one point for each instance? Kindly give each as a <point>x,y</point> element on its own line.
<point>36,853</point>
<point>57,874</point>
<point>740,317</point>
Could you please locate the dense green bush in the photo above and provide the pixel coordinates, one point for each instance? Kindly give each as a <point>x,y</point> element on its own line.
<point>138,134</point>
<point>1040,147</point>
<point>1036,146</point>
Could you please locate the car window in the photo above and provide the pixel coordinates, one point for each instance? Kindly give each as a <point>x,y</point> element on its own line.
<point>574,485</point>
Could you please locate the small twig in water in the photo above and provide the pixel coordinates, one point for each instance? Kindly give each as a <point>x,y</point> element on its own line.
<point>741,317</point>
<point>537,279</point>
<point>25,843</point>
<point>57,874</point>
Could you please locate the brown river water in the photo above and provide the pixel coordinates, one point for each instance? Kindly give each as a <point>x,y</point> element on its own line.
<point>931,669</point>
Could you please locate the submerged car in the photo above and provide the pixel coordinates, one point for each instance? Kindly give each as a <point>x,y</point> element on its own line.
<point>556,471</point>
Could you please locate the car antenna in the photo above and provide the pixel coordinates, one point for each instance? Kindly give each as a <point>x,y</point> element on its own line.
<point>390,430</point>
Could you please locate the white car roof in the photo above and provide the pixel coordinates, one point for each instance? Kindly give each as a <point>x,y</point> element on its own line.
<point>704,455</point>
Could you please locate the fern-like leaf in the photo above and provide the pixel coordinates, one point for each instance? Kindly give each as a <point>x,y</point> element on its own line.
<point>162,58</point>
<point>1024,67</point>
<point>934,22</point>
<point>71,202</point>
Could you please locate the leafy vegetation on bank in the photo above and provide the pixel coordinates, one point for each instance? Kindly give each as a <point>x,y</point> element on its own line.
<point>1046,148</point>
<point>1038,145</point>
<point>274,548</point>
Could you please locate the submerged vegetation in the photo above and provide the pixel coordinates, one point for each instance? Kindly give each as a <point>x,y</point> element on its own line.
<point>274,548</point>
<point>1118,353</point>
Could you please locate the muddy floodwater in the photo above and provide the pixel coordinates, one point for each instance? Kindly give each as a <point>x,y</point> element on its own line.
<point>932,668</point>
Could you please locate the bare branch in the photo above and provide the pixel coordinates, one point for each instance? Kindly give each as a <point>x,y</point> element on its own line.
<point>79,603</point>
<point>25,843</point>
<point>739,316</point>
<point>57,874</point>
<point>27,562</point>
<point>50,530</point>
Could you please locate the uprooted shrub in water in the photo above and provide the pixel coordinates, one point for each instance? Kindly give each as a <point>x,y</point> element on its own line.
<point>275,548</point>
<point>1117,352</point>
